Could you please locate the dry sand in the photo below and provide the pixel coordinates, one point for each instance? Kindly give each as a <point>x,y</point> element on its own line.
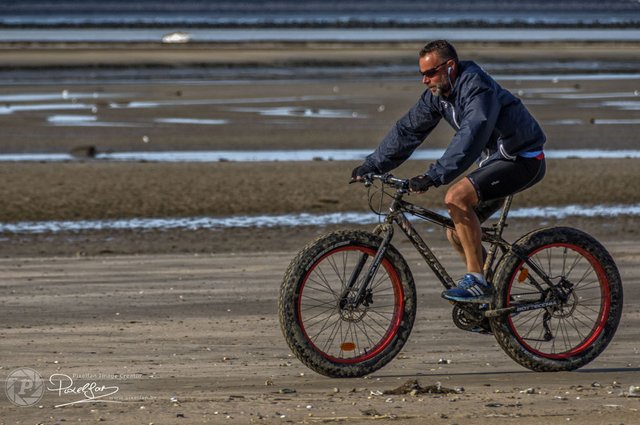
<point>192,314</point>
<point>202,330</point>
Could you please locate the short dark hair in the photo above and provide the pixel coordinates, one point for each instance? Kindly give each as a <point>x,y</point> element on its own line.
<point>443,48</point>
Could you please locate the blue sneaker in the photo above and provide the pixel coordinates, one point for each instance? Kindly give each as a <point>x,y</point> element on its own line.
<point>469,290</point>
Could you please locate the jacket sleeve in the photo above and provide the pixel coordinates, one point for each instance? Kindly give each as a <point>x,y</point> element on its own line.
<point>480,110</point>
<point>405,136</point>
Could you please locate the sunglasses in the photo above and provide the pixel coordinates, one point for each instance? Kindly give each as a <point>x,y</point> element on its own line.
<point>429,73</point>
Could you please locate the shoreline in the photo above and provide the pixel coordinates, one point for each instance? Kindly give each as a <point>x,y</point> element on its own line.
<point>98,243</point>
<point>102,191</point>
<point>59,55</point>
<point>126,111</point>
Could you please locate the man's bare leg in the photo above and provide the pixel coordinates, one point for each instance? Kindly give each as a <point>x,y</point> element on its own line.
<point>455,243</point>
<point>460,200</point>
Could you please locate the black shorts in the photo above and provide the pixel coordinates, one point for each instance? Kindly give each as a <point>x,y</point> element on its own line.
<point>499,179</point>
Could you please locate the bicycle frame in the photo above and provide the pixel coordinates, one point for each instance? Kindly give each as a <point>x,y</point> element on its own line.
<point>397,214</point>
<point>493,234</point>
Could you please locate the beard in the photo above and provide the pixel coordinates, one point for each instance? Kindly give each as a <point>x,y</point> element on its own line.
<point>440,89</point>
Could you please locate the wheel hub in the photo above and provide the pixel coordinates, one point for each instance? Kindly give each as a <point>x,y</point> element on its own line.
<point>567,300</point>
<point>351,312</point>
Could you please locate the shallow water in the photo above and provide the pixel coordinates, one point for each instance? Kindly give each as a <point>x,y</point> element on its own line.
<point>287,155</point>
<point>86,121</point>
<point>328,13</point>
<point>616,121</point>
<point>288,220</point>
<point>196,121</point>
<point>322,34</point>
<point>5,110</point>
<point>295,111</point>
<point>63,95</point>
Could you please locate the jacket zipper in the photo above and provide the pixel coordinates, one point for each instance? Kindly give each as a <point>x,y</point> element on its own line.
<point>453,111</point>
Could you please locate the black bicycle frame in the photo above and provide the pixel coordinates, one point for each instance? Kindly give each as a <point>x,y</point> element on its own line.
<point>398,215</point>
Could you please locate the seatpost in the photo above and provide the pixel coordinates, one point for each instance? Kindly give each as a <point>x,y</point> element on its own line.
<point>503,215</point>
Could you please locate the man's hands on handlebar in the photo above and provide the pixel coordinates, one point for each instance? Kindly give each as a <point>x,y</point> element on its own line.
<point>358,173</point>
<point>417,184</point>
<point>420,184</point>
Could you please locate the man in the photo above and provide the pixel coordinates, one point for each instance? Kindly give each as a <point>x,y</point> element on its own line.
<point>492,127</point>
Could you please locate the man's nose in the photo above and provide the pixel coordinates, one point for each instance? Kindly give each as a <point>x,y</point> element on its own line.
<point>425,79</point>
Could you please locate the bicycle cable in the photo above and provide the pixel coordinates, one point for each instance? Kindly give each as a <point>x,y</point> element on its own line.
<point>372,193</point>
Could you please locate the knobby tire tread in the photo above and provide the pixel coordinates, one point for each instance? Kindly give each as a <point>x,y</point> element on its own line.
<point>287,310</point>
<point>527,244</point>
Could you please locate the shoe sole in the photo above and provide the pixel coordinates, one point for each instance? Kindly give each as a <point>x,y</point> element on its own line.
<point>485,299</point>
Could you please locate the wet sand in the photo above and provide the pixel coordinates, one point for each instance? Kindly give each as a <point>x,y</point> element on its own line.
<point>191,314</point>
<point>98,191</point>
<point>195,339</point>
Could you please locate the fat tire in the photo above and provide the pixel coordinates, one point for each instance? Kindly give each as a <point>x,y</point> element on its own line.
<point>530,243</point>
<point>290,291</point>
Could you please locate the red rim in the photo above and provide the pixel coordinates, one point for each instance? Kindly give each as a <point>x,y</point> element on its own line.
<point>392,330</point>
<point>599,325</point>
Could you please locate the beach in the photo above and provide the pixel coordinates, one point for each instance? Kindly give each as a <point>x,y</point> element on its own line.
<point>183,320</point>
<point>95,114</point>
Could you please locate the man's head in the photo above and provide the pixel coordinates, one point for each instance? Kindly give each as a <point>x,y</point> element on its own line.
<point>438,64</point>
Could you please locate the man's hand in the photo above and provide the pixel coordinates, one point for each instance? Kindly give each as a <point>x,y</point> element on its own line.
<point>360,171</point>
<point>420,183</point>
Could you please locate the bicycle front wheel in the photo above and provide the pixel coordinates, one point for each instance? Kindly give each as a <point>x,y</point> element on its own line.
<point>585,301</point>
<point>329,334</point>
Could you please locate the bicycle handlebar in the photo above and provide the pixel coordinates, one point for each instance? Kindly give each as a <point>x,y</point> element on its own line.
<point>387,178</point>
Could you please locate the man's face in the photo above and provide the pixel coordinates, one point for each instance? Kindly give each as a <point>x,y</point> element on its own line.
<point>434,74</point>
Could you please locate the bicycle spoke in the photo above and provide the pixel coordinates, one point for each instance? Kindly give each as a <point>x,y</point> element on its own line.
<point>592,309</point>
<point>314,288</point>
<point>337,328</point>
<point>336,270</point>
<point>379,328</point>
<point>575,263</point>
<point>588,317</point>
<point>580,335</point>
<point>325,281</point>
<point>357,330</point>
<point>308,298</point>
<point>573,322</point>
<point>310,320</point>
<point>363,326</point>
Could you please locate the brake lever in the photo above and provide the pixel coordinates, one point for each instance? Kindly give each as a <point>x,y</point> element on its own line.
<point>368,179</point>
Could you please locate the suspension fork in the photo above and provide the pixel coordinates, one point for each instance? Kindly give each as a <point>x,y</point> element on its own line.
<point>373,269</point>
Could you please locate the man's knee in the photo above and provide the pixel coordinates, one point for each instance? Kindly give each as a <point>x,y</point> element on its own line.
<point>461,195</point>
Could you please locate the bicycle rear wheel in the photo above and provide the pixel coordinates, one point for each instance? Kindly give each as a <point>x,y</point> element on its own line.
<point>588,293</point>
<point>322,330</point>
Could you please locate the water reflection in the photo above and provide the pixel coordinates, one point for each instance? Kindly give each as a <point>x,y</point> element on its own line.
<point>287,220</point>
<point>286,155</point>
<point>86,121</point>
<point>195,121</point>
<point>568,121</point>
<point>294,111</point>
<point>615,121</point>
<point>64,94</point>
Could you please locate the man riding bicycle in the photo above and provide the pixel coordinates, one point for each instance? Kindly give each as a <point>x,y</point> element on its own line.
<point>492,127</point>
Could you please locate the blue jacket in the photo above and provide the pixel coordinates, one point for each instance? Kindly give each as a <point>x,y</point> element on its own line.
<point>490,123</point>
